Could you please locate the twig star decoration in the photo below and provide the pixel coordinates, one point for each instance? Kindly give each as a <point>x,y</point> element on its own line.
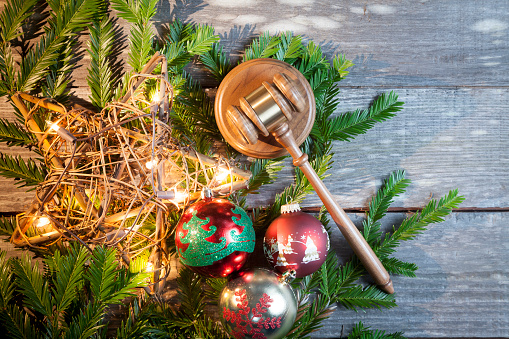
<point>114,175</point>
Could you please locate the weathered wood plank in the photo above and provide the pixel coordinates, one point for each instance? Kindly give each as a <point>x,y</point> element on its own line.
<point>461,288</point>
<point>393,43</point>
<point>444,138</point>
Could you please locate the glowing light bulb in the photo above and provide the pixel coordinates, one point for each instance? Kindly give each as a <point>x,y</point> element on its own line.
<point>222,174</point>
<point>180,196</point>
<point>62,132</point>
<point>149,267</point>
<point>151,164</point>
<point>41,222</point>
<point>55,127</point>
<point>155,97</point>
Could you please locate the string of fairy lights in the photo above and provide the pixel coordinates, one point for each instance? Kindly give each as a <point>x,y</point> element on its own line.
<point>114,175</point>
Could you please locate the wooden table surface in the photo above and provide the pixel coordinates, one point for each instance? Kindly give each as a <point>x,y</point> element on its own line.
<point>449,62</point>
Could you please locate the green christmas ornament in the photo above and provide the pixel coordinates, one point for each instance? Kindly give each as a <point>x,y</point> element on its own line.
<point>214,237</point>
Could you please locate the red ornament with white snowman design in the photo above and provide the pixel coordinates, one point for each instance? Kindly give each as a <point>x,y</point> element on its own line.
<point>296,240</point>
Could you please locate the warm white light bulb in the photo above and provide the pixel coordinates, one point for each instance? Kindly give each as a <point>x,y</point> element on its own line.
<point>222,174</point>
<point>151,164</point>
<point>149,267</point>
<point>55,127</point>
<point>41,222</point>
<point>180,196</point>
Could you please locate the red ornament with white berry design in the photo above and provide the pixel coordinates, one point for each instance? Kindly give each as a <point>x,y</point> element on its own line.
<point>296,240</point>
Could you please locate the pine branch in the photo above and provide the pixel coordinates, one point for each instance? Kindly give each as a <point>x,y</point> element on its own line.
<point>87,323</point>
<point>182,42</point>
<point>369,297</point>
<point>35,65</point>
<point>7,225</point>
<point>28,173</point>
<point>138,13</point>
<point>216,286</point>
<point>263,172</point>
<point>313,61</point>
<point>13,15</point>
<point>396,266</point>
<point>263,47</point>
<point>14,135</point>
<point>102,273</point>
<point>289,48</point>
<point>136,325</point>
<point>190,295</point>
<point>348,125</point>
<point>193,115</point>
<point>392,187</point>
<point>100,71</point>
<point>58,78</point>
<point>310,315</point>
<point>7,288</point>
<point>340,64</point>
<point>434,212</point>
<point>201,40</point>
<point>17,324</point>
<point>109,283</point>
<point>68,276</point>
<point>361,332</point>
<point>73,17</point>
<point>7,69</point>
<point>33,286</point>
<point>216,62</point>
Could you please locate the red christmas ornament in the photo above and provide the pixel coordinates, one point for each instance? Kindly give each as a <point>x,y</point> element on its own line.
<point>296,240</point>
<point>214,237</point>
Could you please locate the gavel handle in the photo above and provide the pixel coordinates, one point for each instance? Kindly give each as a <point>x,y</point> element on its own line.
<point>352,235</point>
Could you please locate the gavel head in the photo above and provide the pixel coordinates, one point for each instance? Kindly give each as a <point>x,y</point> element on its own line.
<point>256,98</point>
<point>267,107</point>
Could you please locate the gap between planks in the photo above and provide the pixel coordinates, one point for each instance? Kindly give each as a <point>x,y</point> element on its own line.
<point>413,209</point>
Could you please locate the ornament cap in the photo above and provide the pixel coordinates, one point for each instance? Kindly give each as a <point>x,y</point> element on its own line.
<point>289,208</point>
<point>207,193</point>
<point>287,277</point>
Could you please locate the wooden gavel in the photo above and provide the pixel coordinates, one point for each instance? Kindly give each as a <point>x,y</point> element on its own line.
<point>257,120</point>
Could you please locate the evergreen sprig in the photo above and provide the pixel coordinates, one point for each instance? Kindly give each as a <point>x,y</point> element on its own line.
<point>7,225</point>
<point>14,135</point>
<point>216,61</point>
<point>360,331</point>
<point>349,125</point>
<point>433,212</point>
<point>68,299</point>
<point>138,13</point>
<point>100,73</point>
<point>65,21</point>
<point>25,172</point>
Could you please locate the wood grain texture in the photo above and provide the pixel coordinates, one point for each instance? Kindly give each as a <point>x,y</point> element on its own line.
<point>444,138</point>
<point>461,288</point>
<point>393,42</point>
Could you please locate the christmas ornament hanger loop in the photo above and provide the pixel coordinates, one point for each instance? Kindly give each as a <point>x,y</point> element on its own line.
<point>265,108</point>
